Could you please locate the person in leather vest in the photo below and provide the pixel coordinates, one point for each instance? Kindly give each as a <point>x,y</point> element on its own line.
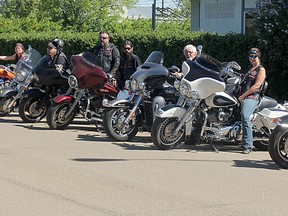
<point>250,96</point>
<point>107,55</point>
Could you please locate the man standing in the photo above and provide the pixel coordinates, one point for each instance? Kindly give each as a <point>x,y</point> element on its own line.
<point>107,54</point>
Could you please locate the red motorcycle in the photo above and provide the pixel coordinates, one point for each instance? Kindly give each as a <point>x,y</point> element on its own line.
<point>89,85</point>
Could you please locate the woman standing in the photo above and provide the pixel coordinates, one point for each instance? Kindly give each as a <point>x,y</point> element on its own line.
<point>250,97</point>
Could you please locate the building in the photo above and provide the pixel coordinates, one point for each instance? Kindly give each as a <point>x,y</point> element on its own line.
<point>222,16</point>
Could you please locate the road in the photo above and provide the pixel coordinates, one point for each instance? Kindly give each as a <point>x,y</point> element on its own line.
<point>80,171</point>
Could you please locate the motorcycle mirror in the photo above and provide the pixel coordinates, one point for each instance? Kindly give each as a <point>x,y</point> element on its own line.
<point>199,49</point>
<point>235,65</point>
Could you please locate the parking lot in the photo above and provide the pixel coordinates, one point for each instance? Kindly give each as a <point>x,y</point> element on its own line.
<point>80,171</point>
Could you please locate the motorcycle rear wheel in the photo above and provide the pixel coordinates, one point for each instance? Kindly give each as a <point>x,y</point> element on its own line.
<point>29,112</point>
<point>114,127</point>
<point>278,148</point>
<point>55,116</point>
<point>162,133</point>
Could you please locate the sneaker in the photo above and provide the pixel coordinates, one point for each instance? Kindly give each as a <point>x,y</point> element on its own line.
<point>246,151</point>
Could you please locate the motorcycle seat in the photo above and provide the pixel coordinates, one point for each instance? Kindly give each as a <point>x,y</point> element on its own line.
<point>266,102</point>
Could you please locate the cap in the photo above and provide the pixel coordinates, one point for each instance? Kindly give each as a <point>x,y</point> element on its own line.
<point>50,44</point>
<point>20,45</point>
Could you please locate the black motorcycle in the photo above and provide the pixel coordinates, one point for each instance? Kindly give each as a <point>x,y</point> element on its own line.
<point>278,142</point>
<point>148,90</point>
<point>34,102</point>
<point>10,95</point>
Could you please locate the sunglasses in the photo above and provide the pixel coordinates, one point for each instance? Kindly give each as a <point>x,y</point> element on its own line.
<point>127,48</point>
<point>103,37</point>
<point>253,57</point>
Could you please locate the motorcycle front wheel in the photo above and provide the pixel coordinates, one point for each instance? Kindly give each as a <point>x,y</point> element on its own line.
<point>30,111</point>
<point>163,133</point>
<point>4,109</point>
<point>278,147</point>
<point>56,116</point>
<point>114,127</point>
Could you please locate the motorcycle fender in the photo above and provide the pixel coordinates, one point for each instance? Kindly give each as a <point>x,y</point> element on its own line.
<point>266,116</point>
<point>35,93</point>
<point>170,110</point>
<point>119,103</point>
<point>8,92</point>
<point>62,98</point>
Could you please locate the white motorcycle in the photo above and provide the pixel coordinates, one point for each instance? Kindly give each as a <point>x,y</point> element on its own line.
<point>208,109</point>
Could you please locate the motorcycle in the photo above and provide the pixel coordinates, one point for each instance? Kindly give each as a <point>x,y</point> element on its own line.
<point>34,102</point>
<point>10,95</point>
<point>278,142</point>
<point>148,90</point>
<point>208,109</point>
<point>6,75</point>
<point>89,85</point>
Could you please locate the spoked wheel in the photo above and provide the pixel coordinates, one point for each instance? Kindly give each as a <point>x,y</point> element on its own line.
<point>278,148</point>
<point>56,116</point>
<point>4,109</point>
<point>113,124</point>
<point>163,133</point>
<point>30,111</point>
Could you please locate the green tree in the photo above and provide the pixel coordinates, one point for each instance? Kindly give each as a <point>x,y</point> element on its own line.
<point>272,28</point>
<point>78,15</point>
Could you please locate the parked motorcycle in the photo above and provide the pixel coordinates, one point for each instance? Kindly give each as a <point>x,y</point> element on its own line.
<point>148,90</point>
<point>6,75</point>
<point>206,112</point>
<point>34,102</point>
<point>89,85</point>
<point>10,95</point>
<point>278,142</point>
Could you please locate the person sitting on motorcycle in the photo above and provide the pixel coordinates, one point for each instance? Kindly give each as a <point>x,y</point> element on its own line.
<point>19,50</point>
<point>58,57</point>
<point>190,52</point>
<point>250,96</point>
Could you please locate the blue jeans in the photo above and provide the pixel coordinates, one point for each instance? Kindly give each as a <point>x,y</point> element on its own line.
<point>248,106</point>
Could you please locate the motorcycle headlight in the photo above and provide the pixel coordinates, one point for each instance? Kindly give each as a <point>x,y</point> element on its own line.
<point>194,94</point>
<point>127,84</point>
<point>21,75</point>
<point>185,90</point>
<point>141,86</point>
<point>73,82</point>
<point>133,85</point>
<point>177,84</point>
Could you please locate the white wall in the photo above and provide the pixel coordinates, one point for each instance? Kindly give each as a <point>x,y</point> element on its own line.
<point>221,16</point>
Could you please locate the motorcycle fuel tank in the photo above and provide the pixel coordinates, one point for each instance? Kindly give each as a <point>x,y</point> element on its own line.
<point>220,99</point>
<point>47,74</point>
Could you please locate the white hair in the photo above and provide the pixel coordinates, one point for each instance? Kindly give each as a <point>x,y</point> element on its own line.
<point>189,46</point>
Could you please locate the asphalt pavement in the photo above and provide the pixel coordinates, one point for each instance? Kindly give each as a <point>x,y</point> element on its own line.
<point>79,171</point>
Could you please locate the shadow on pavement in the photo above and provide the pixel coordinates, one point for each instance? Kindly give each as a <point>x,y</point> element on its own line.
<point>259,164</point>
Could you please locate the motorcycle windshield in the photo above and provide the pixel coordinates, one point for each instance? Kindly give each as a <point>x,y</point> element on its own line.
<point>152,67</point>
<point>47,74</point>
<point>87,72</point>
<point>27,61</point>
<point>29,58</point>
<point>204,75</point>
